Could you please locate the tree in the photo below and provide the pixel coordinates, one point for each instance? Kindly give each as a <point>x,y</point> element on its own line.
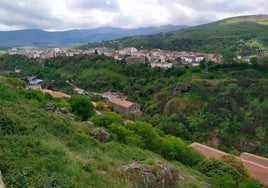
<point>229,58</point>
<point>81,106</point>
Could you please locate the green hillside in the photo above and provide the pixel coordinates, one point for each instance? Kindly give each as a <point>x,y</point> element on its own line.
<point>239,34</point>
<point>47,149</point>
<point>225,107</point>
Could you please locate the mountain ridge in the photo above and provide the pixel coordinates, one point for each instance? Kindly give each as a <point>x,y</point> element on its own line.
<point>242,34</point>
<point>41,38</point>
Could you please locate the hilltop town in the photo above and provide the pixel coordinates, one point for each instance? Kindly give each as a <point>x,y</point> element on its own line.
<point>156,57</point>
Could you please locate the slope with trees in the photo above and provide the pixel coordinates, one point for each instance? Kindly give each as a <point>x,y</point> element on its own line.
<point>226,107</point>
<point>243,35</point>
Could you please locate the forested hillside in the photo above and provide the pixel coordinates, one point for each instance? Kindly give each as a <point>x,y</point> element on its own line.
<point>225,107</point>
<point>242,35</point>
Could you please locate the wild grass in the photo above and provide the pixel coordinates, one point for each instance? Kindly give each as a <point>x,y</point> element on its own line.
<point>43,149</point>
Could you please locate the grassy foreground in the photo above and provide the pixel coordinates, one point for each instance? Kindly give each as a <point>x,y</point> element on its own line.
<point>45,149</point>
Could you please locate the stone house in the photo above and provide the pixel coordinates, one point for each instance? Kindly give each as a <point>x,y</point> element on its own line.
<point>125,107</point>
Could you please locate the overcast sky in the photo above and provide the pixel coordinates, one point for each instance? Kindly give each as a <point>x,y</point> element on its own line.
<point>83,14</point>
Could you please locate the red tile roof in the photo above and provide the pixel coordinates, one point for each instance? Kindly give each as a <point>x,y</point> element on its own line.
<point>56,94</point>
<point>121,102</point>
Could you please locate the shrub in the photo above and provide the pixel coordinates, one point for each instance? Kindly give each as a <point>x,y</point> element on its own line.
<point>107,119</point>
<point>126,136</point>
<point>250,183</point>
<point>222,173</point>
<point>236,163</point>
<point>174,148</point>
<point>100,106</point>
<point>149,135</point>
<point>81,106</point>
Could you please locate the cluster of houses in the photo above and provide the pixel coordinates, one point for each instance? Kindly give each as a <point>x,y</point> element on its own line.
<point>49,52</point>
<point>156,57</point>
<point>159,58</point>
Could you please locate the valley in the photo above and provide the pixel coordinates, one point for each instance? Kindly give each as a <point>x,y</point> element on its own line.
<point>124,112</point>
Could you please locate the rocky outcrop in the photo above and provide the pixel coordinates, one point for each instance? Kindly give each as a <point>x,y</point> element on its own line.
<point>101,135</point>
<point>2,185</point>
<point>160,175</point>
<point>64,111</point>
<point>51,107</point>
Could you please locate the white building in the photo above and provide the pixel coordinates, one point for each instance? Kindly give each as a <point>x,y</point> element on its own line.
<point>128,51</point>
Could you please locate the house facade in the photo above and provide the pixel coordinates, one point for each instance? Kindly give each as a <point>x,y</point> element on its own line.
<point>125,107</point>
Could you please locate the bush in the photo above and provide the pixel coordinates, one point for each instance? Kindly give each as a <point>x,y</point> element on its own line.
<point>149,135</point>
<point>173,148</point>
<point>81,106</point>
<point>107,119</point>
<point>236,163</point>
<point>100,106</point>
<point>126,136</point>
<point>250,183</point>
<point>223,174</point>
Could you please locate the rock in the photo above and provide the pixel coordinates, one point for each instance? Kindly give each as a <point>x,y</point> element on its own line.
<point>2,185</point>
<point>64,111</point>
<point>101,135</point>
<point>88,123</point>
<point>51,107</point>
<point>72,117</point>
<point>160,175</point>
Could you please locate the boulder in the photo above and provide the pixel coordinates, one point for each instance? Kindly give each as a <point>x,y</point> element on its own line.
<point>101,135</point>
<point>51,107</point>
<point>160,175</point>
<point>2,185</point>
<point>64,111</point>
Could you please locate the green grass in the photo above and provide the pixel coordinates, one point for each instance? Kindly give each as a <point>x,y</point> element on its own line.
<point>44,149</point>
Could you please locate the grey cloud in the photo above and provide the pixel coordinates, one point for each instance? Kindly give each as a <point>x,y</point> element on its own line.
<point>27,14</point>
<point>105,5</point>
<point>81,13</point>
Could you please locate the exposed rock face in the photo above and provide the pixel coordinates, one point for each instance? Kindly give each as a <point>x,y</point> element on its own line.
<point>101,135</point>
<point>2,185</point>
<point>160,175</point>
<point>51,107</point>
